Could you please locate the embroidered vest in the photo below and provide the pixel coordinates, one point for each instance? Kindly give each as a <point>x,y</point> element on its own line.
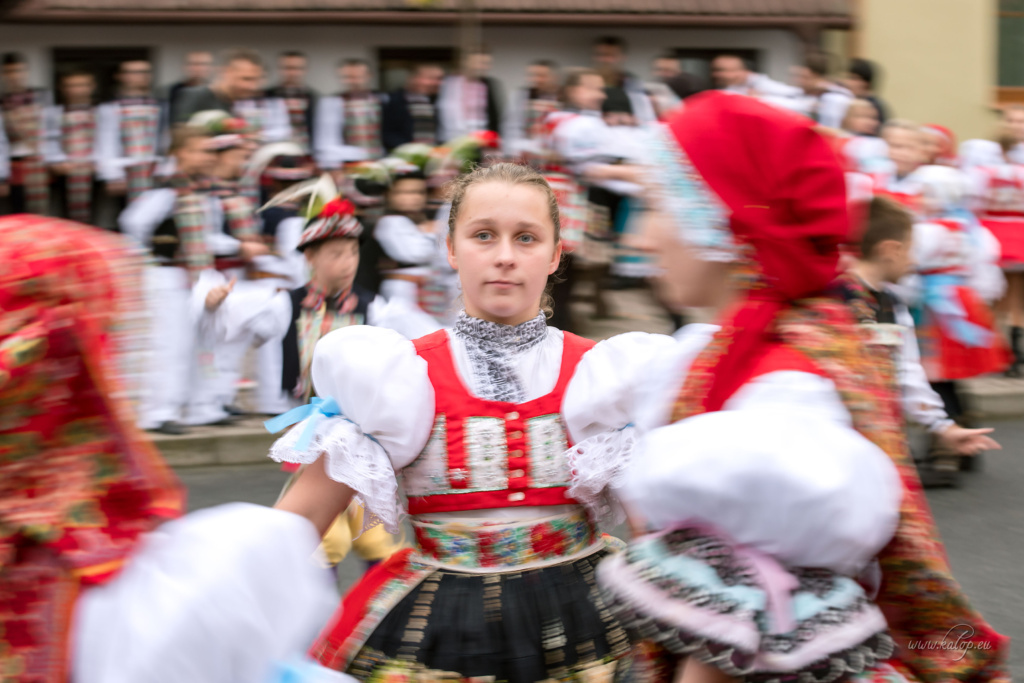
<point>490,454</point>
<point>291,365</point>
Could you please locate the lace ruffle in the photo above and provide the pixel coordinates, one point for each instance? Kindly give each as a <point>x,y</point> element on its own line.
<point>353,459</point>
<point>598,465</point>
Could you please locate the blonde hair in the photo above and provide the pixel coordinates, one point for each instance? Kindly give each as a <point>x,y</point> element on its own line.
<point>902,124</point>
<point>511,174</point>
<point>855,107</point>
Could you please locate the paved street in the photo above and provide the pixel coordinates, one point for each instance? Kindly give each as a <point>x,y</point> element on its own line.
<point>982,523</point>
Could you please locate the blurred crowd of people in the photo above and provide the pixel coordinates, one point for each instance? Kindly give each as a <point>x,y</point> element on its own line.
<point>130,164</point>
<point>408,293</point>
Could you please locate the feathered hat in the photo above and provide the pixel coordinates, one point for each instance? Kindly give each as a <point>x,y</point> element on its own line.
<point>327,213</point>
<point>225,131</point>
<point>281,161</point>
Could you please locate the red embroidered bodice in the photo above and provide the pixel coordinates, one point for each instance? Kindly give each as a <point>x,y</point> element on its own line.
<point>490,454</point>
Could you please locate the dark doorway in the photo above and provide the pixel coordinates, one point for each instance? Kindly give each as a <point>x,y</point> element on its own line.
<point>102,62</point>
<point>396,63</point>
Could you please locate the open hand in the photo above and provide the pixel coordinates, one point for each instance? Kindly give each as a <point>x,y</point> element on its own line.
<point>968,441</point>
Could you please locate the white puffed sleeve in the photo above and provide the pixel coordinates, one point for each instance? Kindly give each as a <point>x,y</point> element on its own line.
<point>599,408</point>
<point>249,311</point>
<point>222,594</point>
<point>402,240</point>
<point>387,412</point>
<point>780,469</point>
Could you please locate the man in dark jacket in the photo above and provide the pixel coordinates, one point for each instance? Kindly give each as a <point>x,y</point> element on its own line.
<point>410,113</point>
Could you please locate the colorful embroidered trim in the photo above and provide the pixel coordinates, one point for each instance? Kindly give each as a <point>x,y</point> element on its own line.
<point>499,547</point>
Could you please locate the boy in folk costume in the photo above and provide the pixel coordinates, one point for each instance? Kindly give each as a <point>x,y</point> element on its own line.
<point>130,135</point>
<point>71,151</point>
<point>886,257</point>
<point>348,124</point>
<point>297,319</point>
<point>182,224</point>
<point>234,211</point>
<point>24,178</point>
<point>728,585</point>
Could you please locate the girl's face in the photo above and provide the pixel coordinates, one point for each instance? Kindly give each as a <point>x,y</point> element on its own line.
<point>588,94</point>
<point>504,250</point>
<point>905,149</point>
<point>684,280</point>
<point>864,121</point>
<point>408,196</point>
<point>334,263</point>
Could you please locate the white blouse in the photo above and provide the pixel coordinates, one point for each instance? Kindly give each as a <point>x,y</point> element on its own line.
<point>780,468</point>
<point>386,403</point>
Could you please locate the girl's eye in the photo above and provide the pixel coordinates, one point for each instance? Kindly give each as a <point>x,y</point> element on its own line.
<point>483,236</point>
<point>527,239</point>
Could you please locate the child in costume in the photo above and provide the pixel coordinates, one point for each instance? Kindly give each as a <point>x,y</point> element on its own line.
<point>501,581</point>
<point>776,474</point>
<point>997,191</point>
<point>957,330</point>
<point>299,318</point>
<point>98,585</point>
<point>414,247</point>
<point>174,223</point>
<point>905,142</point>
<point>886,257</point>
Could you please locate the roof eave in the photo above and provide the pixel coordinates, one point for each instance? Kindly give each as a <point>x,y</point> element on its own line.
<point>621,19</point>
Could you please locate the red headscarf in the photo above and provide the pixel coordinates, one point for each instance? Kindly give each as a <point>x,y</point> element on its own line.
<point>785,190</point>
<point>78,482</point>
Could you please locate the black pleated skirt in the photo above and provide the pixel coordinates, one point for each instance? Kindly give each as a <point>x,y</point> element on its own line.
<point>519,627</point>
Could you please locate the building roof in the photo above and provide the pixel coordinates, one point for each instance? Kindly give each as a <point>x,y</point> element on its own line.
<point>832,13</point>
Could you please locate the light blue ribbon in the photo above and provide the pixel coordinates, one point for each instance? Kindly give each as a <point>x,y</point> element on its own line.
<point>942,299</point>
<point>315,411</point>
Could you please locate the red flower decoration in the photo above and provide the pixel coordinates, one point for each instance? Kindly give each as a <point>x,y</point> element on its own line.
<point>338,207</point>
<point>488,138</point>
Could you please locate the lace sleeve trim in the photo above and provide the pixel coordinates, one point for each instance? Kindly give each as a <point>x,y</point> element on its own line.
<point>598,466</point>
<point>354,459</point>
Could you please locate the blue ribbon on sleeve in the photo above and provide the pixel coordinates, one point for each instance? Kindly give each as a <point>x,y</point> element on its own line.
<point>315,411</point>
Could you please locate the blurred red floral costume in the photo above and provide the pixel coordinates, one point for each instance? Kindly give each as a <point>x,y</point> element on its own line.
<point>78,482</point>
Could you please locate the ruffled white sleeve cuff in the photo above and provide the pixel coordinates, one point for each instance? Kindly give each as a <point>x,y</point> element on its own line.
<point>380,411</point>
<point>599,407</point>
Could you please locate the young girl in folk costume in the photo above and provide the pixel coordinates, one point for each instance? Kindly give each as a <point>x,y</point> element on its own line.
<point>863,150</point>
<point>940,147</point>
<point>299,318</point>
<point>906,154</point>
<point>501,583</point>
<point>98,585</point>
<point>770,452</point>
<point>957,331</point>
<point>998,200</point>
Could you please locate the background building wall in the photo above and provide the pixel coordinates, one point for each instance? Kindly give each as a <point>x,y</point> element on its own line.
<point>514,47</point>
<point>939,59</point>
